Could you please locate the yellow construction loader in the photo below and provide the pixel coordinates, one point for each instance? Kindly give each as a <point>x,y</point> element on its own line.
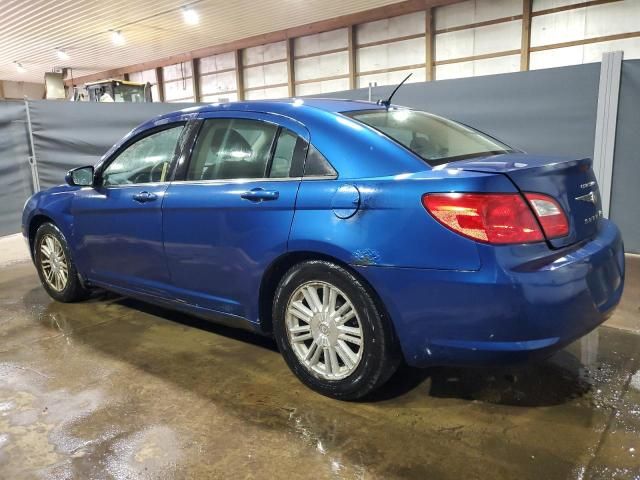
<point>113,90</point>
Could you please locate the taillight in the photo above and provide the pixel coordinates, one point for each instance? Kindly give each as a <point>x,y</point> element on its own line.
<point>486,217</point>
<point>550,214</point>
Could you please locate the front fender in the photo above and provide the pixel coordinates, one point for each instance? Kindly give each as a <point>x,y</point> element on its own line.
<point>54,204</point>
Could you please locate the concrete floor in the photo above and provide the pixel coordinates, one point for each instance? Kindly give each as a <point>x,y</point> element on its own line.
<point>113,388</point>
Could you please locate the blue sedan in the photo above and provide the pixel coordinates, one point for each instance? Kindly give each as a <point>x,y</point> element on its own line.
<point>359,235</point>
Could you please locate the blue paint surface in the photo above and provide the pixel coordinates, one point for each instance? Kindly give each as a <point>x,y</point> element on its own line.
<point>203,248</point>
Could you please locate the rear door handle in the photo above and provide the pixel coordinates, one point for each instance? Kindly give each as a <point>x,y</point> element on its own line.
<point>260,194</point>
<point>144,197</point>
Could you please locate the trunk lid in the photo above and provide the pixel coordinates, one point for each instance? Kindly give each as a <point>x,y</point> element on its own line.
<point>572,183</point>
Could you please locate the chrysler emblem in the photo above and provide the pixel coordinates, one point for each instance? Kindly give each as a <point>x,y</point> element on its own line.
<point>591,197</point>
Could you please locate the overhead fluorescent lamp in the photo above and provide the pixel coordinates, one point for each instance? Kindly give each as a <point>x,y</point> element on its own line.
<point>117,38</point>
<point>62,55</point>
<point>190,16</point>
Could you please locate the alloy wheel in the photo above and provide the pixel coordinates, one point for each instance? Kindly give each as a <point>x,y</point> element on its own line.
<point>53,262</point>
<point>324,330</point>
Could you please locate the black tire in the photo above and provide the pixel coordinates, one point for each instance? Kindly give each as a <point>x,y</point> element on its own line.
<point>380,356</point>
<point>73,290</point>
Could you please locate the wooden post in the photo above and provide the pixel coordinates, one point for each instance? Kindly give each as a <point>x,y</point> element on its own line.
<point>291,75</point>
<point>525,44</point>
<point>429,39</point>
<point>195,79</point>
<point>160,83</point>
<point>239,77</point>
<point>353,65</point>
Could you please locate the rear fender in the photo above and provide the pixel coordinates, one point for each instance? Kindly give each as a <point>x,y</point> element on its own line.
<point>382,222</point>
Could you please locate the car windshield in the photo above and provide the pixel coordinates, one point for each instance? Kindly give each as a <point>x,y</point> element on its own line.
<point>435,139</point>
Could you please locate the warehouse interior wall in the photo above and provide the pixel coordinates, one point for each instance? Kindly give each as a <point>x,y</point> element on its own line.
<point>15,174</point>
<point>65,135</point>
<point>546,112</point>
<point>19,90</point>
<point>465,39</point>
<point>74,134</point>
<point>625,197</point>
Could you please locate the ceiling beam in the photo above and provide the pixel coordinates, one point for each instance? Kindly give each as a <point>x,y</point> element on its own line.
<point>380,13</point>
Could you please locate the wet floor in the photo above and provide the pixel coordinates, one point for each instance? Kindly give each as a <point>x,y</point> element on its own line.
<point>113,388</point>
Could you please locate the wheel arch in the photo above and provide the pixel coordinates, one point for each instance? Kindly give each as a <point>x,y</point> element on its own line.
<point>277,269</point>
<point>36,221</point>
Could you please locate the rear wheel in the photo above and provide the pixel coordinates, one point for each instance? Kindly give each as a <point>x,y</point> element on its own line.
<point>57,272</point>
<point>331,333</point>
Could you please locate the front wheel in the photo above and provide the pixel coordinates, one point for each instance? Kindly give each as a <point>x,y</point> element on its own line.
<point>57,271</point>
<point>331,333</point>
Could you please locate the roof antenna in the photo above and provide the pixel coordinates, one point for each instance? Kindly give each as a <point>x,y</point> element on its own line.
<point>387,103</point>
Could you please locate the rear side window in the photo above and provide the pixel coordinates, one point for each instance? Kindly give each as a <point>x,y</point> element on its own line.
<point>317,165</point>
<point>229,149</point>
<point>288,156</point>
<point>232,149</point>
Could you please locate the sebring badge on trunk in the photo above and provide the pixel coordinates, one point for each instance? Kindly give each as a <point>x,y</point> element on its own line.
<point>589,197</point>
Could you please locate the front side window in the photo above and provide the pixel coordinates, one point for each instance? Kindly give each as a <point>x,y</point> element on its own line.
<point>232,149</point>
<point>144,161</point>
<point>435,139</point>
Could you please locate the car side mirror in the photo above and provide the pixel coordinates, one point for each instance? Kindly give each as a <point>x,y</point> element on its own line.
<point>80,177</point>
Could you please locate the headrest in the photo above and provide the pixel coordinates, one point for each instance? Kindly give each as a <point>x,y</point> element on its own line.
<point>234,143</point>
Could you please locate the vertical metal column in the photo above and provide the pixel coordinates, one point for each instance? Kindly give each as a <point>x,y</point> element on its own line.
<point>371,86</point>
<point>33,163</point>
<point>605,138</point>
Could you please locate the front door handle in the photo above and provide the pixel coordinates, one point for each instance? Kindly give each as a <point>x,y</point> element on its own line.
<point>144,197</point>
<point>260,194</point>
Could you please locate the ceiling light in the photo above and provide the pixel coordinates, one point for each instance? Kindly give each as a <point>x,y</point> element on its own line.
<point>62,55</point>
<point>190,16</point>
<point>117,38</point>
<point>19,67</point>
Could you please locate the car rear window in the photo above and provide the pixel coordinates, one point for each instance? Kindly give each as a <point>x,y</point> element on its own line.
<point>435,139</point>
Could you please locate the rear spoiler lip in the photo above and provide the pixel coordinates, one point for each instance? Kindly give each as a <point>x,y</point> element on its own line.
<point>515,163</point>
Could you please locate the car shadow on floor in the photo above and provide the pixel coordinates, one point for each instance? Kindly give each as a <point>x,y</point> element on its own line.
<point>543,383</point>
<point>554,381</point>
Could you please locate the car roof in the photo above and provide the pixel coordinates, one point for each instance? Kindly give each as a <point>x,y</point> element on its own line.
<point>284,106</point>
<point>341,140</point>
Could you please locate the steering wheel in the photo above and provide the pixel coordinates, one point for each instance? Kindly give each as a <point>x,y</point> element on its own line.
<point>153,169</point>
<point>138,178</point>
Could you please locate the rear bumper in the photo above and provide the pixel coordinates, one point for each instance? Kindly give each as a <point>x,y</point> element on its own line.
<point>524,302</point>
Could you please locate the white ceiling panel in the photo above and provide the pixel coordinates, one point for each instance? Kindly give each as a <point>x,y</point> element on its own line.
<point>32,30</point>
